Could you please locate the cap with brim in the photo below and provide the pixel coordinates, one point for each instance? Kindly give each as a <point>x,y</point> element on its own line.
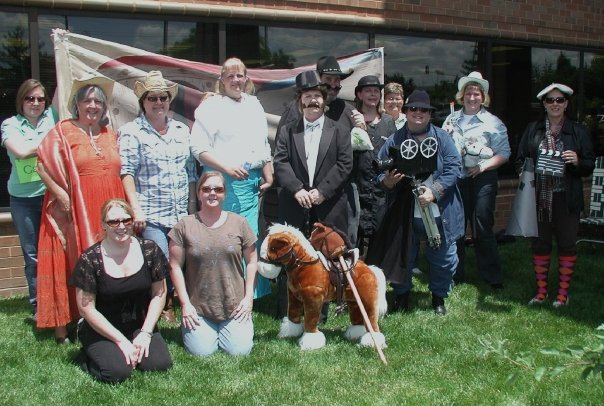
<point>562,88</point>
<point>329,65</point>
<point>154,82</point>
<point>307,80</point>
<point>475,77</point>
<point>368,81</point>
<point>92,78</point>
<point>419,98</point>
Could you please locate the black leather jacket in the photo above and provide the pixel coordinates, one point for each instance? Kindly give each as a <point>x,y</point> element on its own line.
<point>575,137</point>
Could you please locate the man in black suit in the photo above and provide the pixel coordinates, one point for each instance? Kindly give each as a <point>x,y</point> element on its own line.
<point>312,163</point>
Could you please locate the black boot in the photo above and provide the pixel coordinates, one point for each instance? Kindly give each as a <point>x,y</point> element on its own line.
<point>438,304</point>
<point>401,303</point>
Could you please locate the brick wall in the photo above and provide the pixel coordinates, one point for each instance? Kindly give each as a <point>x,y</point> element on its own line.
<point>577,22</point>
<point>12,278</point>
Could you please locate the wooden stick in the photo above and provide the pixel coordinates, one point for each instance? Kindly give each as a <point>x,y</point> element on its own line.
<point>355,292</point>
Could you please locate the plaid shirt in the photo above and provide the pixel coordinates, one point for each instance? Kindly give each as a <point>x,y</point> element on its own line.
<point>162,168</point>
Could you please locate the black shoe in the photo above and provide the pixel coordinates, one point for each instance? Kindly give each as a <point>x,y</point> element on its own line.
<point>438,304</point>
<point>401,303</point>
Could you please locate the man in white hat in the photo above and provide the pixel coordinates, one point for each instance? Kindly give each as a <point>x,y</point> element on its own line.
<point>158,170</point>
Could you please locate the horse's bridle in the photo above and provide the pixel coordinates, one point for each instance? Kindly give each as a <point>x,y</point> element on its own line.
<point>293,261</point>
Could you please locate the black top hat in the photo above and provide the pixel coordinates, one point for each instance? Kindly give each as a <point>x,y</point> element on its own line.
<point>330,66</point>
<point>419,98</point>
<point>367,81</point>
<point>307,80</point>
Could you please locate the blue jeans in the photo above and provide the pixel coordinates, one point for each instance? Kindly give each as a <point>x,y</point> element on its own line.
<point>26,213</point>
<point>159,235</point>
<point>443,262</point>
<point>479,199</point>
<point>232,336</point>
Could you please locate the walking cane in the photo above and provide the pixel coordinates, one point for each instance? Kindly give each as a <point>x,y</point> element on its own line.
<point>362,308</point>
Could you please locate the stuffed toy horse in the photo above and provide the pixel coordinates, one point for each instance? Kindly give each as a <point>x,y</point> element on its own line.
<point>309,286</point>
<point>476,152</point>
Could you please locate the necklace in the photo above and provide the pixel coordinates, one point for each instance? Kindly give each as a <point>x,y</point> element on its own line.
<point>97,150</point>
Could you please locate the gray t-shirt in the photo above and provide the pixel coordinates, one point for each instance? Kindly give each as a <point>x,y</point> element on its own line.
<point>214,260</point>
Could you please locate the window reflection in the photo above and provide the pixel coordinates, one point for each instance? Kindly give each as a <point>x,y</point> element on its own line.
<point>429,63</point>
<point>147,35</point>
<point>594,99</point>
<point>278,47</point>
<point>15,67</point>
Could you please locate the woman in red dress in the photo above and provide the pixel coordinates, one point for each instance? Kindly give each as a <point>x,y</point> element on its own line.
<point>80,164</point>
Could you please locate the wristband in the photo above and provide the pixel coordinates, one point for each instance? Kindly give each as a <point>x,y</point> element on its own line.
<point>148,333</point>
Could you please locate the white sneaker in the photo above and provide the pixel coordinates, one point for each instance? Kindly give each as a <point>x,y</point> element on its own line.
<point>536,301</point>
<point>558,303</point>
<point>416,271</point>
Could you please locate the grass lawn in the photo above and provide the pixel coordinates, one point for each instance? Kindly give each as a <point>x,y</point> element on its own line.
<point>431,360</point>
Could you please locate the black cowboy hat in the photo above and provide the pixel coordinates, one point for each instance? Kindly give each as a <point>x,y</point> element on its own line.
<point>367,81</point>
<point>330,66</point>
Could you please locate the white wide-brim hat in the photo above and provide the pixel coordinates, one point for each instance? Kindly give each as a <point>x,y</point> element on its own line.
<point>474,77</point>
<point>154,82</point>
<point>562,88</point>
<point>95,79</point>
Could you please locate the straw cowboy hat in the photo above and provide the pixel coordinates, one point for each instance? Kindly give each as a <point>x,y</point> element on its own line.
<point>154,82</point>
<point>92,78</point>
<point>475,77</point>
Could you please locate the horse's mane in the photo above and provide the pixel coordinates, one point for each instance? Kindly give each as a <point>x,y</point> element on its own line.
<point>285,228</point>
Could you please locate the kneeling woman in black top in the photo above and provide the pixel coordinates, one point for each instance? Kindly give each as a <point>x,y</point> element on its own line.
<point>120,291</point>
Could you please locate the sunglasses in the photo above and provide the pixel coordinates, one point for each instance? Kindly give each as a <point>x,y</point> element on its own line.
<point>551,100</point>
<point>32,99</point>
<point>208,189</point>
<point>420,109</point>
<point>153,99</point>
<point>116,222</point>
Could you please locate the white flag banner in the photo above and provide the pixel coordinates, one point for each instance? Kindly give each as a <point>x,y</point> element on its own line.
<point>78,55</point>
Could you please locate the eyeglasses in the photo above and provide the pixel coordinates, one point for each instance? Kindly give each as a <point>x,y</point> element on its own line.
<point>329,87</point>
<point>420,109</point>
<point>153,99</point>
<point>116,222</point>
<point>208,189</point>
<point>551,100</point>
<point>32,99</point>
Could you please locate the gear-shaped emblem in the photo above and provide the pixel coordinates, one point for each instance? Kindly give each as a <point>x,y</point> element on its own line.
<point>409,149</point>
<point>429,147</point>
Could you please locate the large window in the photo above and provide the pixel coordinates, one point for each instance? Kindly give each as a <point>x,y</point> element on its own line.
<point>594,98</point>
<point>15,67</point>
<point>432,64</point>
<point>278,47</point>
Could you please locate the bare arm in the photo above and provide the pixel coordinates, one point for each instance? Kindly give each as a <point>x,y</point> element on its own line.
<point>158,299</point>
<point>57,191</point>
<point>22,149</point>
<point>267,175</point>
<point>177,259</point>
<point>130,192</point>
<point>244,309</point>
<point>208,159</point>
